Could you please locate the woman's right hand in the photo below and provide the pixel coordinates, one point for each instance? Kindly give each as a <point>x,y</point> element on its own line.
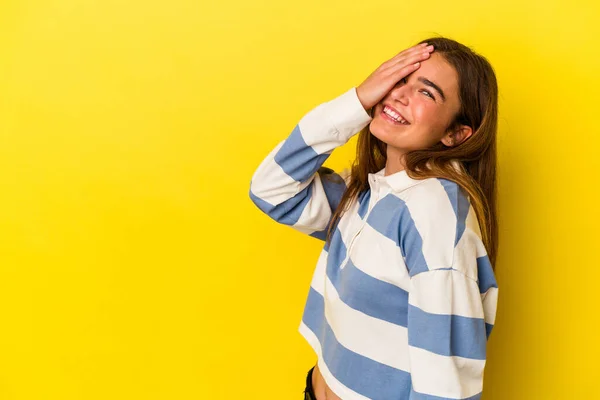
<point>383,79</point>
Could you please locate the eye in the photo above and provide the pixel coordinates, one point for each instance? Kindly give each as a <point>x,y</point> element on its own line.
<point>428,93</point>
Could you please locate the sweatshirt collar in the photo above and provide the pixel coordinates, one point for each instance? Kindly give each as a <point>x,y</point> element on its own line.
<point>395,182</point>
<point>398,181</point>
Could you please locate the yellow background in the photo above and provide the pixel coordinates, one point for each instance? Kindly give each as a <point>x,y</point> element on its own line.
<point>133,264</point>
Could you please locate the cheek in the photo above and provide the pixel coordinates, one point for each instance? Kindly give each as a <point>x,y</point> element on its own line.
<point>425,113</point>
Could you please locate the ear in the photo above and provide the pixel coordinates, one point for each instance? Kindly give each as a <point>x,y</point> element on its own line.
<point>457,136</point>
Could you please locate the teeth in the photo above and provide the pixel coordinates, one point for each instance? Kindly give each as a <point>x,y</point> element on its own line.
<point>394,116</point>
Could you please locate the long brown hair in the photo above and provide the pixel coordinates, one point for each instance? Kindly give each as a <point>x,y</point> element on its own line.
<point>478,96</point>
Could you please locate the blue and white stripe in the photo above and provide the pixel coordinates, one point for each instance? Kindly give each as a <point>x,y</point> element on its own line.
<point>403,299</point>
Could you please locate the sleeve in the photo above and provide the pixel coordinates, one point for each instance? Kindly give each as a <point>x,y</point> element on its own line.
<point>446,336</point>
<point>291,185</point>
<point>451,312</point>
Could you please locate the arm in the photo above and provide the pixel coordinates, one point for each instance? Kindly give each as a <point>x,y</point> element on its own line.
<point>451,313</point>
<point>446,336</point>
<point>291,185</point>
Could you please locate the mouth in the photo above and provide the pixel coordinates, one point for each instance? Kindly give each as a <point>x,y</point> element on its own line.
<point>393,116</point>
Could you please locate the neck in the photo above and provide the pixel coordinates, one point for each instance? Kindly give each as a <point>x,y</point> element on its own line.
<point>394,162</point>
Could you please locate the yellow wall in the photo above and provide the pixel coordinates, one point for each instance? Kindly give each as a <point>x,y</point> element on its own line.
<point>133,264</point>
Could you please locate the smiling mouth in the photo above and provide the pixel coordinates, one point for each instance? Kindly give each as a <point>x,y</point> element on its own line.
<point>393,117</point>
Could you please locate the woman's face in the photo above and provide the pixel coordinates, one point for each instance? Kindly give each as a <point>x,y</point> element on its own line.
<point>427,100</point>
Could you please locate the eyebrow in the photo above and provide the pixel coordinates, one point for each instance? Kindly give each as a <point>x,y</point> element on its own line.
<point>433,85</point>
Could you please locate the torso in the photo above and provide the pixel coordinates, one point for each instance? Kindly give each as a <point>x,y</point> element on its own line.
<point>320,388</point>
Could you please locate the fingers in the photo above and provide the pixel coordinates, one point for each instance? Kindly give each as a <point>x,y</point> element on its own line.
<point>411,50</point>
<point>405,64</point>
<point>386,76</point>
<point>412,55</point>
<point>403,71</point>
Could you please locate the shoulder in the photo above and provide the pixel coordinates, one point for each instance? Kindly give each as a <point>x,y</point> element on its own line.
<point>435,199</point>
<point>437,220</point>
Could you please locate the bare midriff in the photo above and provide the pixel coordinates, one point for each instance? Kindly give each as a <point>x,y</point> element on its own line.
<point>320,388</point>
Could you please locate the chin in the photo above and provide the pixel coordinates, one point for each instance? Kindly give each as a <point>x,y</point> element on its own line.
<point>385,132</point>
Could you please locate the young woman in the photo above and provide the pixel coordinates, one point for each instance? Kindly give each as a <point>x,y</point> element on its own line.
<point>404,296</point>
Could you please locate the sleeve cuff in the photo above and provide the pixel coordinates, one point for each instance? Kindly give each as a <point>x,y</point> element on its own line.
<point>348,114</point>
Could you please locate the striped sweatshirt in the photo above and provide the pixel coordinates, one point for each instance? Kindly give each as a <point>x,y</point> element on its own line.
<point>403,299</point>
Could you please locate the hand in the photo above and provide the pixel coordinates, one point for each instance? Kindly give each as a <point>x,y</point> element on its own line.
<point>383,79</point>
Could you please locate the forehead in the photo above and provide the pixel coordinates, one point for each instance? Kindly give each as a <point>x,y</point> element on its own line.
<point>440,72</point>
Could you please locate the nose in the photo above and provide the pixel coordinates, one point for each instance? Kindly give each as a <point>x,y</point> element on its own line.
<point>400,93</point>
